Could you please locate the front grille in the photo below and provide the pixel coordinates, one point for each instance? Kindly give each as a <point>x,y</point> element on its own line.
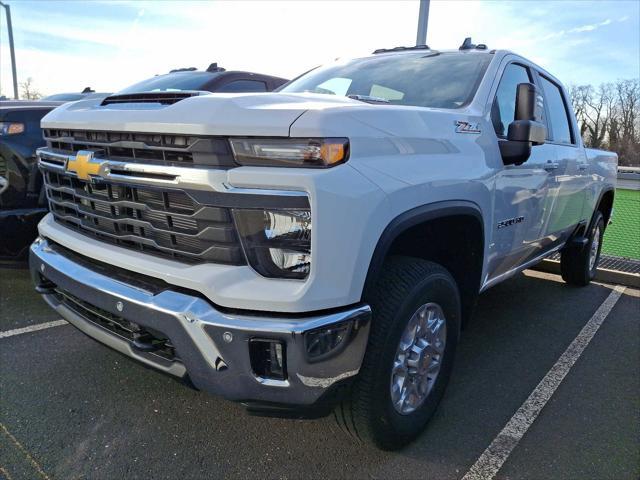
<point>3,167</point>
<point>119,326</point>
<point>167,223</point>
<point>154,148</point>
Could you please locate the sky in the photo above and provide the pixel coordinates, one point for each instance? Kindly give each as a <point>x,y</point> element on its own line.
<point>107,45</point>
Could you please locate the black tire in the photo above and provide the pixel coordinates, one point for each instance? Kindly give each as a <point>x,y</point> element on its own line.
<point>574,261</point>
<point>367,413</point>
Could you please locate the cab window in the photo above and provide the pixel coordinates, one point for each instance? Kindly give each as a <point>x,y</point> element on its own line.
<point>560,131</point>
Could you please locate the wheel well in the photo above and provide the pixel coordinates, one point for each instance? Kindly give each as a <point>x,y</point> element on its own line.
<point>606,205</point>
<point>456,242</point>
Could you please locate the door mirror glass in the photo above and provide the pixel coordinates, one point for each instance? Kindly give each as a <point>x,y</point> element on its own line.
<point>527,126</point>
<point>526,130</point>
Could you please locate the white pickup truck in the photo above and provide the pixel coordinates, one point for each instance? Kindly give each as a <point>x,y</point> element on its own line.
<point>324,244</point>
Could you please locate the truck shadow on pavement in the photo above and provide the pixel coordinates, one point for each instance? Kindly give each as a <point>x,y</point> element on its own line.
<point>85,411</point>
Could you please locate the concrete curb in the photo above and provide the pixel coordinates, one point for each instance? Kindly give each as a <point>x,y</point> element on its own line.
<point>602,275</point>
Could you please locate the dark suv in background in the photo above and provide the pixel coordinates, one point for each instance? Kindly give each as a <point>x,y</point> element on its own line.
<point>213,79</point>
<point>22,202</point>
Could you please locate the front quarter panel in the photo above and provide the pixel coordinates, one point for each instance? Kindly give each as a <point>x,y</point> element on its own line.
<point>417,156</point>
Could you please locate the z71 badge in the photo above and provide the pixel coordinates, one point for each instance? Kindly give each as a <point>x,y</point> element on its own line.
<point>467,127</point>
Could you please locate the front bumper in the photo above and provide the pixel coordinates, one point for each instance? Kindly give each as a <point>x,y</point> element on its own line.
<point>211,346</point>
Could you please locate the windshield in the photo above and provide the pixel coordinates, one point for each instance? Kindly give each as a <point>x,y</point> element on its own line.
<point>173,82</point>
<point>439,80</point>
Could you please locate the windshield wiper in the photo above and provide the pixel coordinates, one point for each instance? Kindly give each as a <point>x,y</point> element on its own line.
<point>369,99</point>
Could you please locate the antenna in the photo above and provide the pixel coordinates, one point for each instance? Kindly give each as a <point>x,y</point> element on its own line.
<point>467,45</point>
<point>215,68</point>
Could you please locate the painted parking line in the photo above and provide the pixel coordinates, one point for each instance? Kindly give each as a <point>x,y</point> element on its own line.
<point>496,454</point>
<point>32,461</point>
<point>5,474</point>
<point>32,328</point>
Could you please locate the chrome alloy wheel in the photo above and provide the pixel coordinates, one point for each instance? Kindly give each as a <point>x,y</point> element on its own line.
<point>595,245</point>
<point>418,358</point>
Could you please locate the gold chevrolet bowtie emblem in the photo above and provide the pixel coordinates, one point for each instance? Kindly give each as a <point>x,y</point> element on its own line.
<point>84,165</point>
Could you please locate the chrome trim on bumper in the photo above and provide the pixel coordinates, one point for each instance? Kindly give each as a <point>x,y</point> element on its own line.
<point>196,329</point>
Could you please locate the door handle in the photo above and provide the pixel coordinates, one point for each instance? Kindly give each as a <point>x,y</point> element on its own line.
<point>582,166</point>
<point>551,165</point>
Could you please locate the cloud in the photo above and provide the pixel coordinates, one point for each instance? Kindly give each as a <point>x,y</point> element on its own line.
<point>581,29</point>
<point>590,28</point>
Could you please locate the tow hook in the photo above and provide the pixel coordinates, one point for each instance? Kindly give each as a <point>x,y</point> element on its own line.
<point>144,341</point>
<point>45,287</point>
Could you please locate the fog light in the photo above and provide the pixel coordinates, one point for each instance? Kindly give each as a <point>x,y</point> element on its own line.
<point>268,358</point>
<point>326,342</point>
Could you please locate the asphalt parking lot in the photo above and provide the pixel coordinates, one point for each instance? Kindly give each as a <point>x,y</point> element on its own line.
<point>71,408</point>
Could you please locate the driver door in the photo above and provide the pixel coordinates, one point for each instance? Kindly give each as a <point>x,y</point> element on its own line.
<point>522,195</point>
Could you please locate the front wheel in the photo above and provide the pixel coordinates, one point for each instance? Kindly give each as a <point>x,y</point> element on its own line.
<point>414,332</point>
<point>578,266</point>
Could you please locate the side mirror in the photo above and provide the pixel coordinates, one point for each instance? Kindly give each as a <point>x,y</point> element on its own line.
<point>526,130</point>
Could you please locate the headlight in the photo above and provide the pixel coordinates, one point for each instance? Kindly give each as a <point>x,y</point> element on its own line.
<point>290,152</point>
<point>10,128</point>
<point>277,242</point>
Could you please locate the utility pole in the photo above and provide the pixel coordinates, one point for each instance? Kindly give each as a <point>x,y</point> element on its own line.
<point>423,21</point>
<point>12,50</point>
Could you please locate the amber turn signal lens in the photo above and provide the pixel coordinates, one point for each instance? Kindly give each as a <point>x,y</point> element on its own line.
<point>332,153</point>
<point>7,128</point>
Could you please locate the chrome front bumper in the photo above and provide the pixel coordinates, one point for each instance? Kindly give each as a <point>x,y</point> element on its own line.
<point>212,346</point>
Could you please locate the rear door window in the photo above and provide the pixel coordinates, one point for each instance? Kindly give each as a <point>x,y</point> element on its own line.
<point>557,108</point>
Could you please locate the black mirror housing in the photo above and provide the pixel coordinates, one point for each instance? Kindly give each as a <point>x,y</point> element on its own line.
<point>526,130</point>
<point>529,103</point>
<point>514,153</point>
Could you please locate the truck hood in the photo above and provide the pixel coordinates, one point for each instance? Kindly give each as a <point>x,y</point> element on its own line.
<point>262,114</point>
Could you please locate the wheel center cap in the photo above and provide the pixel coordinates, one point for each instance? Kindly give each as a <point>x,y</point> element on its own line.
<point>421,360</point>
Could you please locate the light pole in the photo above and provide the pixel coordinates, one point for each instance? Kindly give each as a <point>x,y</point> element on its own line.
<point>12,50</point>
<point>423,21</point>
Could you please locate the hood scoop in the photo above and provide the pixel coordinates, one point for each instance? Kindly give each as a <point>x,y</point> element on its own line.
<point>163,98</point>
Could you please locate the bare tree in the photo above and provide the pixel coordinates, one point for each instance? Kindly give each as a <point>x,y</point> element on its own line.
<point>597,115</point>
<point>628,117</point>
<point>579,95</point>
<point>28,90</point>
<point>609,117</point>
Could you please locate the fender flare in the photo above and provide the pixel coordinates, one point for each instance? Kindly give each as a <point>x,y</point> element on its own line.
<point>603,192</point>
<point>411,218</point>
